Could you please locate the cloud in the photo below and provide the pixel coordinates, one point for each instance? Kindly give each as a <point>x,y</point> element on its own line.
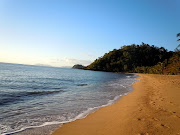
<point>87,55</point>
<point>77,61</point>
<point>69,62</point>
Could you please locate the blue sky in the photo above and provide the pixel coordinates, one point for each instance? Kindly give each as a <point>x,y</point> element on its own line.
<point>68,32</point>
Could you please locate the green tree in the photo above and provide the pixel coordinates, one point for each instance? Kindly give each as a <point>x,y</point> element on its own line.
<point>133,58</point>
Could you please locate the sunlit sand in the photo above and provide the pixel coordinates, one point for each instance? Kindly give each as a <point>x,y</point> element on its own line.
<point>153,108</point>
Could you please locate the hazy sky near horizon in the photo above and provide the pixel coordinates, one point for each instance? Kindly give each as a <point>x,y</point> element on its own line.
<point>68,32</point>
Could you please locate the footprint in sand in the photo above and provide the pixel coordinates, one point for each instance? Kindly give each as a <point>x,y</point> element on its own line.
<point>152,102</point>
<point>143,134</point>
<point>162,99</point>
<point>163,125</point>
<point>139,119</point>
<point>173,113</point>
<point>171,103</point>
<point>155,119</point>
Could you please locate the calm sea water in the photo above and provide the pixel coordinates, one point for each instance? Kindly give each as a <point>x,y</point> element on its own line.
<point>34,96</point>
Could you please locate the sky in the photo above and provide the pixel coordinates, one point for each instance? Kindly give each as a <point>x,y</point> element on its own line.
<point>67,32</point>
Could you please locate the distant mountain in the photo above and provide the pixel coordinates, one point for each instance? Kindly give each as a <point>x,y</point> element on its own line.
<point>78,66</point>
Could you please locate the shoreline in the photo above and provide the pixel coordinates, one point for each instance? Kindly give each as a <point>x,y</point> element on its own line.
<point>153,107</point>
<point>39,129</point>
<point>43,129</point>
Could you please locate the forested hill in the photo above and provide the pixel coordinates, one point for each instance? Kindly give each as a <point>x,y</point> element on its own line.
<point>135,58</point>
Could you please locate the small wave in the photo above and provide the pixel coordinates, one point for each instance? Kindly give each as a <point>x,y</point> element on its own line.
<point>43,92</point>
<point>42,88</point>
<point>13,97</point>
<point>93,109</point>
<point>55,79</point>
<point>79,116</point>
<point>123,86</point>
<point>81,84</point>
<point>28,87</point>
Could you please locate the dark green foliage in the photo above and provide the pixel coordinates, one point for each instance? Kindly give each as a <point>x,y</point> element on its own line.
<point>170,66</point>
<point>173,66</point>
<point>77,66</point>
<point>132,58</point>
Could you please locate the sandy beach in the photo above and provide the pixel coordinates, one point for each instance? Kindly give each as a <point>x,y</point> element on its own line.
<point>153,108</point>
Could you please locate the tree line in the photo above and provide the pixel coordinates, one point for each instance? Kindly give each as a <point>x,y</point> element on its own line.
<point>143,58</point>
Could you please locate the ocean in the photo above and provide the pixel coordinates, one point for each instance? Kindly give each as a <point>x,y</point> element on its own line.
<point>35,97</point>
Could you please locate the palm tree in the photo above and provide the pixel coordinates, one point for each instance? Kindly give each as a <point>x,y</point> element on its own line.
<point>178,34</point>
<point>177,50</point>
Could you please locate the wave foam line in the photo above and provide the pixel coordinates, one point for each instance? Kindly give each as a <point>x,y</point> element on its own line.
<point>80,116</point>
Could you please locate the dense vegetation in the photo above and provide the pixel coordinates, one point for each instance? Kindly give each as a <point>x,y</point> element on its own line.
<point>140,59</point>
<point>77,66</point>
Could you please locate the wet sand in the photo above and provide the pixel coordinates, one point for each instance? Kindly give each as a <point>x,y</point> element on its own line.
<point>153,108</point>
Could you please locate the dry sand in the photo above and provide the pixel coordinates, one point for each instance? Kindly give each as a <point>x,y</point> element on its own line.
<point>153,108</point>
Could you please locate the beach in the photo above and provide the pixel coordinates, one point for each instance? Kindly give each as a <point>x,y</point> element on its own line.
<point>152,108</point>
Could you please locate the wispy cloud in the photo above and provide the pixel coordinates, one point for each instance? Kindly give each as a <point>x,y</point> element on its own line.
<point>69,62</point>
<point>87,55</point>
<point>78,61</point>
